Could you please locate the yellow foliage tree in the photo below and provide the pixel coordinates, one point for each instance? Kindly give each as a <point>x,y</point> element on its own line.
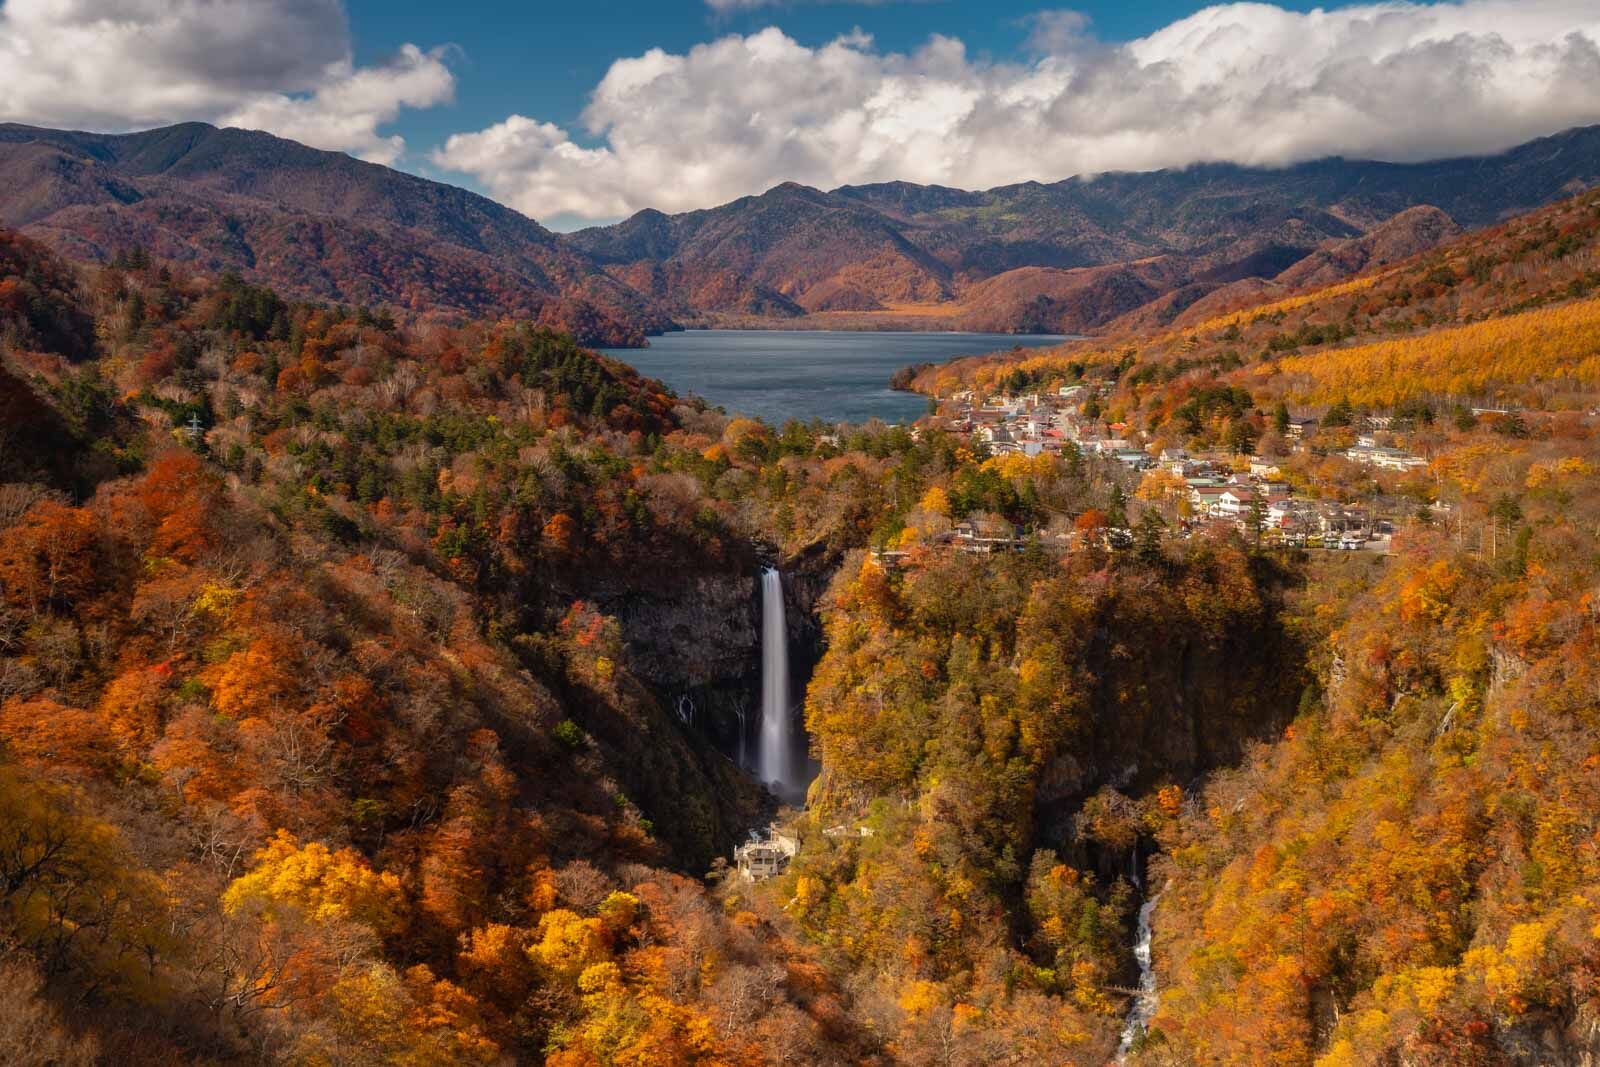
<point>569,944</point>
<point>936,501</point>
<point>325,886</point>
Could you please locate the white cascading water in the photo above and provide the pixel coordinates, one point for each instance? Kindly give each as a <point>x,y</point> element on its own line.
<point>774,761</point>
<point>1144,1005</point>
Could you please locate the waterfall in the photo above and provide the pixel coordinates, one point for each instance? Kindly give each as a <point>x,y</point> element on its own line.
<point>1143,1008</point>
<point>774,760</point>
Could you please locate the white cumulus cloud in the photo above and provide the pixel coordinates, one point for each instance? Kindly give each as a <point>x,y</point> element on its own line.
<point>1246,82</point>
<point>279,65</point>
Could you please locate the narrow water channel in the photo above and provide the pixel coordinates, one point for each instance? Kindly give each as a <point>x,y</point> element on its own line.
<point>1143,1008</point>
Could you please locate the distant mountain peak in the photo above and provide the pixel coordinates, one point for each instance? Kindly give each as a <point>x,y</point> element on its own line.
<point>311,222</point>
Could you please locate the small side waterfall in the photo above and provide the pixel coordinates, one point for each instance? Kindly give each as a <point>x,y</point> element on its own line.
<point>1143,1008</point>
<point>775,757</point>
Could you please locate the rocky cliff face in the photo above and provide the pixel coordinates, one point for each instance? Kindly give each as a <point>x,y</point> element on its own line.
<point>698,645</point>
<point>1174,709</point>
<point>1168,706</point>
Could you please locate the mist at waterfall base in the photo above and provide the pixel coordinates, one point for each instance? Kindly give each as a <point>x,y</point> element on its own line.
<point>780,754</point>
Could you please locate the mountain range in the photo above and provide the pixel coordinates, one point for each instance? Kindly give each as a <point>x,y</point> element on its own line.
<point>1074,255</point>
<point>1071,256</point>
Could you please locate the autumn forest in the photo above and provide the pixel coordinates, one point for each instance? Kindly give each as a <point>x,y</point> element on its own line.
<point>374,684</point>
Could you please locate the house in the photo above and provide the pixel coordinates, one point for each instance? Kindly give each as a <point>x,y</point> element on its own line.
<point>1396,460</point>
<point>984,536</point>
<point>1235,500</point>
<point>1207,499</point>
<point>994,434</point>
<point>1300,426</point>
<point>1342,520</point>
<point>1263,468</point>
<point>889,559</point>
<point>1387,458</point>
<point>1132,458</point>
<point>766,858</point>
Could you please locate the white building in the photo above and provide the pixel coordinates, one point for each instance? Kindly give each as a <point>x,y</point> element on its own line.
<point>760,860</point>
<point>1234,500</point>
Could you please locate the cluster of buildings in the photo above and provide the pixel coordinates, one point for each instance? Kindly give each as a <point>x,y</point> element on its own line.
<point>1037,423</point>
<point>1258,498</point>
<point>1217,490</point>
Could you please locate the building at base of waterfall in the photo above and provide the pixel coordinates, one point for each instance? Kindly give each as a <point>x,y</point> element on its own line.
<point>766,858</point>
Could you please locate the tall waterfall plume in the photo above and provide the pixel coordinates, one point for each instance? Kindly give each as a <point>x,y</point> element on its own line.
<point>774,758</point>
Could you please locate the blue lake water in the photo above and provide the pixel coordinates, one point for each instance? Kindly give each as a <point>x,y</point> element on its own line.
<point>833,375</point>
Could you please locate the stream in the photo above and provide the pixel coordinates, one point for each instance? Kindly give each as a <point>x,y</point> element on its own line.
<point>1143,1008</point>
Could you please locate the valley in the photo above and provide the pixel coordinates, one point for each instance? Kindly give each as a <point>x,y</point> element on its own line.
<point>386,676</point>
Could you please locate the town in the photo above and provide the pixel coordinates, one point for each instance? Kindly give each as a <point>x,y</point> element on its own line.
<point>1337,480</point>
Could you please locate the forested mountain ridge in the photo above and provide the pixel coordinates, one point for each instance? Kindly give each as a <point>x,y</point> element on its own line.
<point>1073,255</point>
<point>1486,315</point>
<point>316,224</point>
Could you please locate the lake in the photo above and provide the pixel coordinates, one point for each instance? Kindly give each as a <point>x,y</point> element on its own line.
<point>832,375</point>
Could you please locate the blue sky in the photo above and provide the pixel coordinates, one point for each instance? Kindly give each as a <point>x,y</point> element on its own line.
<point>577,113</point>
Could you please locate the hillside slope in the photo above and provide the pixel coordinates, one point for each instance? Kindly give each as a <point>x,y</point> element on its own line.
<point>316,224</point>
<point>1497,315</point>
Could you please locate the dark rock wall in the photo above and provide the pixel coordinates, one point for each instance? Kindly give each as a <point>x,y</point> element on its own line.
<point>699,644</point>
